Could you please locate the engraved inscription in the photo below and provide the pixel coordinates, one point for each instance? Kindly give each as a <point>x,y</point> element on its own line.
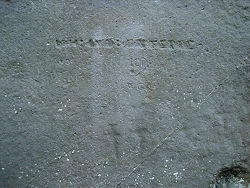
<point>139,43</point>
<point>138,65</point>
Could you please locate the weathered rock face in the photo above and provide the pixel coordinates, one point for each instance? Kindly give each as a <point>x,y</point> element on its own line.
<point>135,93</point>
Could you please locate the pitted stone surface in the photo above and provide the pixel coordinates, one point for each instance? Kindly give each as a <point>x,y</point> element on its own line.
<point>142,93</point>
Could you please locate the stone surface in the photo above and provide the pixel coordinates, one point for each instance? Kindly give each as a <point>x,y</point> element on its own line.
<point>112,93</point>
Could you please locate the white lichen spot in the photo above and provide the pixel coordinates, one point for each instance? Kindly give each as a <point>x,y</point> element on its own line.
<point>3,168</point>
<point>175,174</point>
<point>67,159</point>
<point>59,110</point>
<point>73,151</point>
<point>99,175</point>
<point>152,178</point>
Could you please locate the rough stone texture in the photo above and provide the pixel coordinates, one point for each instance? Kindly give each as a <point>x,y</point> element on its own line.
<point>138,93</point>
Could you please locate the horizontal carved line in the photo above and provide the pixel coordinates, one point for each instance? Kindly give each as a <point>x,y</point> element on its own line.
<point>128,43</point>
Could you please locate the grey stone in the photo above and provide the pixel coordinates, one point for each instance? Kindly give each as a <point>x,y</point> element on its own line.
<point>124,93</point>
